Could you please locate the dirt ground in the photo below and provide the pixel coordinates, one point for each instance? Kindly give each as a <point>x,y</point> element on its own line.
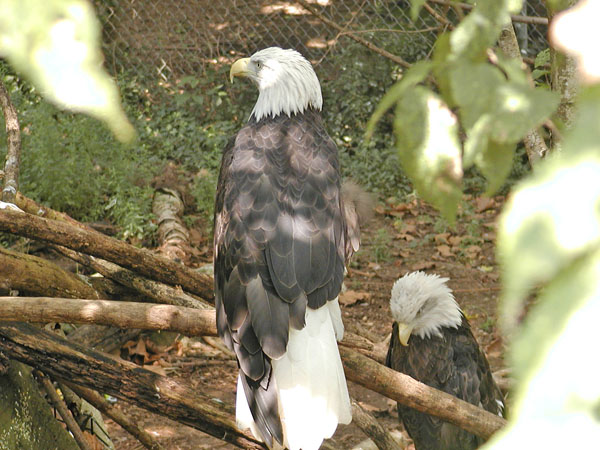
<point>401,237</point>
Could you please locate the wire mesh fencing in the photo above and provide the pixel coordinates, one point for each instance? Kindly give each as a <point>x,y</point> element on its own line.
<point>166,39</point>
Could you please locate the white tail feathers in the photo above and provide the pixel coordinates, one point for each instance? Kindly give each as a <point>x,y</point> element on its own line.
<point>313,395</point>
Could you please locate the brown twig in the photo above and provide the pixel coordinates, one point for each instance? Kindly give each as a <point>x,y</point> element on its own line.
<point>96,400</point>
<point>395,58</point>
<point>62,409</point>
<point>13,154</point>
<point>438,16</point>
<point>532,20</point>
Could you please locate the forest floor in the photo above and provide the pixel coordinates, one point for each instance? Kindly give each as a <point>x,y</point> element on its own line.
<point>401,237</point>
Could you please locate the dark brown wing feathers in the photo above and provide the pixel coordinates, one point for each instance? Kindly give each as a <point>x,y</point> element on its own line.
<point>279,244</point>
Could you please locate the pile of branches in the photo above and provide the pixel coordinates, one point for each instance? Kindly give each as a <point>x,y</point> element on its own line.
<point>145,290</point>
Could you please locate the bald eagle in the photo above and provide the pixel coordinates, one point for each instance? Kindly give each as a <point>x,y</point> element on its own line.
<point>432,342</point>
<point>280,245</point>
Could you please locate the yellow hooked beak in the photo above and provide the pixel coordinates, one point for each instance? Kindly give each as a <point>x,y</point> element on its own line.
<point>239,69</point>
<point>404,332</point>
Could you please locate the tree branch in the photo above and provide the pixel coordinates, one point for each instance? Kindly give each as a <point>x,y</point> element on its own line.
<point>395,58</point>
<point>188,321</point>
<point>75,364</point>
<point>96,400</point>
<point>139,260</point>
<point>535,145</point>
<point>13,153</point>
<point>62,409</point>
<point>369,425</point>
<point>419,396</point>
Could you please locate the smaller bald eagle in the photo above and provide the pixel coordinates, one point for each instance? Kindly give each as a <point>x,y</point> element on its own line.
<point>443,354</point>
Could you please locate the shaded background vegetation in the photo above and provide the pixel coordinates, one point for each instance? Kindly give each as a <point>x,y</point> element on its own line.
<point>171,64</point>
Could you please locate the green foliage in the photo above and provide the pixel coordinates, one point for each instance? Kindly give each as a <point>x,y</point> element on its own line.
<point>381,246</point>
<point>495,105</point>
<point>56,44</point>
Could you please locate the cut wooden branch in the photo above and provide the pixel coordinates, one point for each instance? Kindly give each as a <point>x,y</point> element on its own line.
<point>395,58</point>
<point>64,412</point>
<point>93,243</point>
<point>369,425</point>
<point>75,364</point>
<point>36,276</point>
<point>419,396</point>
<point>535,146</point>
<point>13,150</point>
<point>192,322</point>
<point>159,292</point>
<point>96,400</point>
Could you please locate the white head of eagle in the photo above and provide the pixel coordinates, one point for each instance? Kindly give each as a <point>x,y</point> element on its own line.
<point>286,81</point>
<point>422,305</point>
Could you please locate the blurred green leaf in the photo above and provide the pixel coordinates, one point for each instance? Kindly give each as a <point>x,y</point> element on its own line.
<point>413,76</point>
<point>427,139</point>
<point>56,44</point>
<point>415,8</point>
<point>558,395</point>
<point>550,220</point>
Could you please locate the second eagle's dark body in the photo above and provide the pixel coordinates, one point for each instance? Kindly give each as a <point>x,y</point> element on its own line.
<point>455,364</point>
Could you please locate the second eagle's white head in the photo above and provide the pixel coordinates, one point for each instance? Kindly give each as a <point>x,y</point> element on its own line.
<point>422,305</point>
<point>286,81</point>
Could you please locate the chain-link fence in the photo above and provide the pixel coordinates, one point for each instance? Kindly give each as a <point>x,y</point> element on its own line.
<point>170,38</point>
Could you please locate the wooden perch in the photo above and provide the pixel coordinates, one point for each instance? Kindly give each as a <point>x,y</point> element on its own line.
<point>359,368</point>
<point>412,393</point>
<point>96,244</point>
<point>369,425</point>
<point>75,364</point>
<point>13,151</point>
<point>192,322</point>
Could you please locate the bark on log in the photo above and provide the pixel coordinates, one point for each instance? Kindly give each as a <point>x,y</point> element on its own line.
<point>192,322</point>
<point>13,151</point>
<point>369,425</point>
<point>412,393</point>
<point>139,260</point>
<point>36,276</point>
<point>123,380</point>
<point>159,292</point>
<point>173,236</point>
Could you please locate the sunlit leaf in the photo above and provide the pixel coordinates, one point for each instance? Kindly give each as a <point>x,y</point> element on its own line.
<point>480,29</point>
<point>413,76</point>
<point>550,220</point>
<point>56,44</point>
<point>558,395</point>
<point>427,139</point>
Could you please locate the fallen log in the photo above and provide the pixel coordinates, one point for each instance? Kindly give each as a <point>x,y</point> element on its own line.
<point>75,364</point>
<point>358,368</point>
<point>147,316</point>
<point>93,243</point>
<point>37,276</point>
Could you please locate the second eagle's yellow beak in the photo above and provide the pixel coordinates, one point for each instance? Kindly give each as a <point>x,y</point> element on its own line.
<point>239,69</point>
<point>404,332</point>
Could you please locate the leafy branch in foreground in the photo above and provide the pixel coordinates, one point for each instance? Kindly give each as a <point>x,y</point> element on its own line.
<point>495,106</point>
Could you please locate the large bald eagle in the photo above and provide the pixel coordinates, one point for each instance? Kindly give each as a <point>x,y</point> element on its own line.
<point>280,246</point>
<point>432,342</point>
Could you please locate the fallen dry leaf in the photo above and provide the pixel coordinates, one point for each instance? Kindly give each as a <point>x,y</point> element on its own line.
<point>441,238</point>
<point>445,251</point>
<point>484,203</point>
<point>350,298</point>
